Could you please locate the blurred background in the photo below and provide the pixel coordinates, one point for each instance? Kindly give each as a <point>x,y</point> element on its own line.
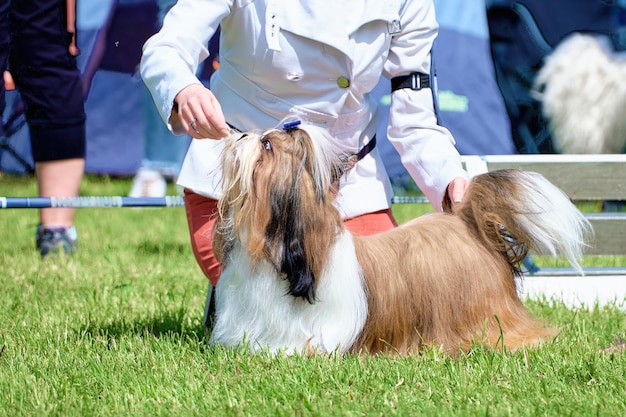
<point>488,59</point>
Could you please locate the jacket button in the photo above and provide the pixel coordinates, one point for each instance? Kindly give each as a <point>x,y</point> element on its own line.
<point>343,82</point>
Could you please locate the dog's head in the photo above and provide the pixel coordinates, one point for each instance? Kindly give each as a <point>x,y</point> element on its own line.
<point>278,190</point>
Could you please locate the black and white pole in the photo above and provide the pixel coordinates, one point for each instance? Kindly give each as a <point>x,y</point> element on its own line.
<point>118,201</point>
<point>90,202</point>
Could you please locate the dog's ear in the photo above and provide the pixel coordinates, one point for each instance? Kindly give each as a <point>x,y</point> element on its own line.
<point>285,239</point>
<point>302,222</point>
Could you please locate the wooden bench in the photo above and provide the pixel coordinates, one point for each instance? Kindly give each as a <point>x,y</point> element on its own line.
<point>583,178</point>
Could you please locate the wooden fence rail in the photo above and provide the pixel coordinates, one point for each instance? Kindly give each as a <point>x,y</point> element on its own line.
<point>583,178</point>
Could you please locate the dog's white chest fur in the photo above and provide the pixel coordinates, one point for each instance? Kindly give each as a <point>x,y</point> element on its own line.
<point>253,305</point>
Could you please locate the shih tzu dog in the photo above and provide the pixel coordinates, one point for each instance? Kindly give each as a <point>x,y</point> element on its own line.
<point>295,280</point>
<point>582,90</point>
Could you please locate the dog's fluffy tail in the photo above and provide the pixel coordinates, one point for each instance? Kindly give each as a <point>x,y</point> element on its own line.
<point>516,211</point>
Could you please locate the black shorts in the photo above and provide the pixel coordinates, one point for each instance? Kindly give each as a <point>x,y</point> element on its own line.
<point>46,75</point>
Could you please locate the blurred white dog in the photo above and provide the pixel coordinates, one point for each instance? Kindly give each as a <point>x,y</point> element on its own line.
<point>582,87</point>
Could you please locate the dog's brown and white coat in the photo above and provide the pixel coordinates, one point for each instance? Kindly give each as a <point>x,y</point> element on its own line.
<point>295,279</point>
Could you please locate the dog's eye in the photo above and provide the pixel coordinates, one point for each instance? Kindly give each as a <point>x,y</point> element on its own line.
<point>267,145</point>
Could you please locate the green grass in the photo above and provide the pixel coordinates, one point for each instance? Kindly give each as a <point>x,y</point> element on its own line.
<point>116,330</point>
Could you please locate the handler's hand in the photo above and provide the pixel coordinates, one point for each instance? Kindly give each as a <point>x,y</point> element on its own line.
<point>199,113</point>
<point>455,192</point>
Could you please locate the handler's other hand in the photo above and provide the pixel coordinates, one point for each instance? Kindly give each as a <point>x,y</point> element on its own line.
<point>455,192</point>
<point>199,113</point>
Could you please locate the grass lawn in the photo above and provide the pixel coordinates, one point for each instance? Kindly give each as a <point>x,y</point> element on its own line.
<point>116,330</point>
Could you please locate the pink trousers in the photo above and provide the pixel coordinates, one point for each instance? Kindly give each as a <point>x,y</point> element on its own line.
<point>202,213</point>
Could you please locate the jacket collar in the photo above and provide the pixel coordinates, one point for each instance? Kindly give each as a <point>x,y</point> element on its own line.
<point>330,26</point>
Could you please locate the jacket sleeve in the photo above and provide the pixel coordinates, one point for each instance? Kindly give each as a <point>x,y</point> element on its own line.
<point>172,56</point>
<point>426,149</point>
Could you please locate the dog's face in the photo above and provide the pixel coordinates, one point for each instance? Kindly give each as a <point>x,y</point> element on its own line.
<point>277,203</point>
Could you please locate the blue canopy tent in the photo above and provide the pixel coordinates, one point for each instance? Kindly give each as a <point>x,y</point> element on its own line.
<point>469,101</point>
<point>110,36</point>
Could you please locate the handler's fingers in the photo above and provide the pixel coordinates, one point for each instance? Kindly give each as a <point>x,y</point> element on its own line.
<point>201,127</point>
<point>454,193</point>
<point>214,123</point>
<point>193,129</point>
<point>456,190</point>
<point>200,113</point>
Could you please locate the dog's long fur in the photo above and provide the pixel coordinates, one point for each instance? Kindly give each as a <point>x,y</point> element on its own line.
<point>582,88</point>
<point>295,279</point>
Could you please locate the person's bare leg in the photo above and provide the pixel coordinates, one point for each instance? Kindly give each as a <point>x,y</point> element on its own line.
<point>59,179</point>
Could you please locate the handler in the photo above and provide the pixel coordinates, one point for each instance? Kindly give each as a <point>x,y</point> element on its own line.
<point>317,60</point>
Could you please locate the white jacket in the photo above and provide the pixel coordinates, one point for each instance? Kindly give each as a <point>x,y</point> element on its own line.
<point>282,58</point>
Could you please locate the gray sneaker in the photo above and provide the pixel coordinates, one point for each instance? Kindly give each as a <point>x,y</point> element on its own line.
<point>54,240</point>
